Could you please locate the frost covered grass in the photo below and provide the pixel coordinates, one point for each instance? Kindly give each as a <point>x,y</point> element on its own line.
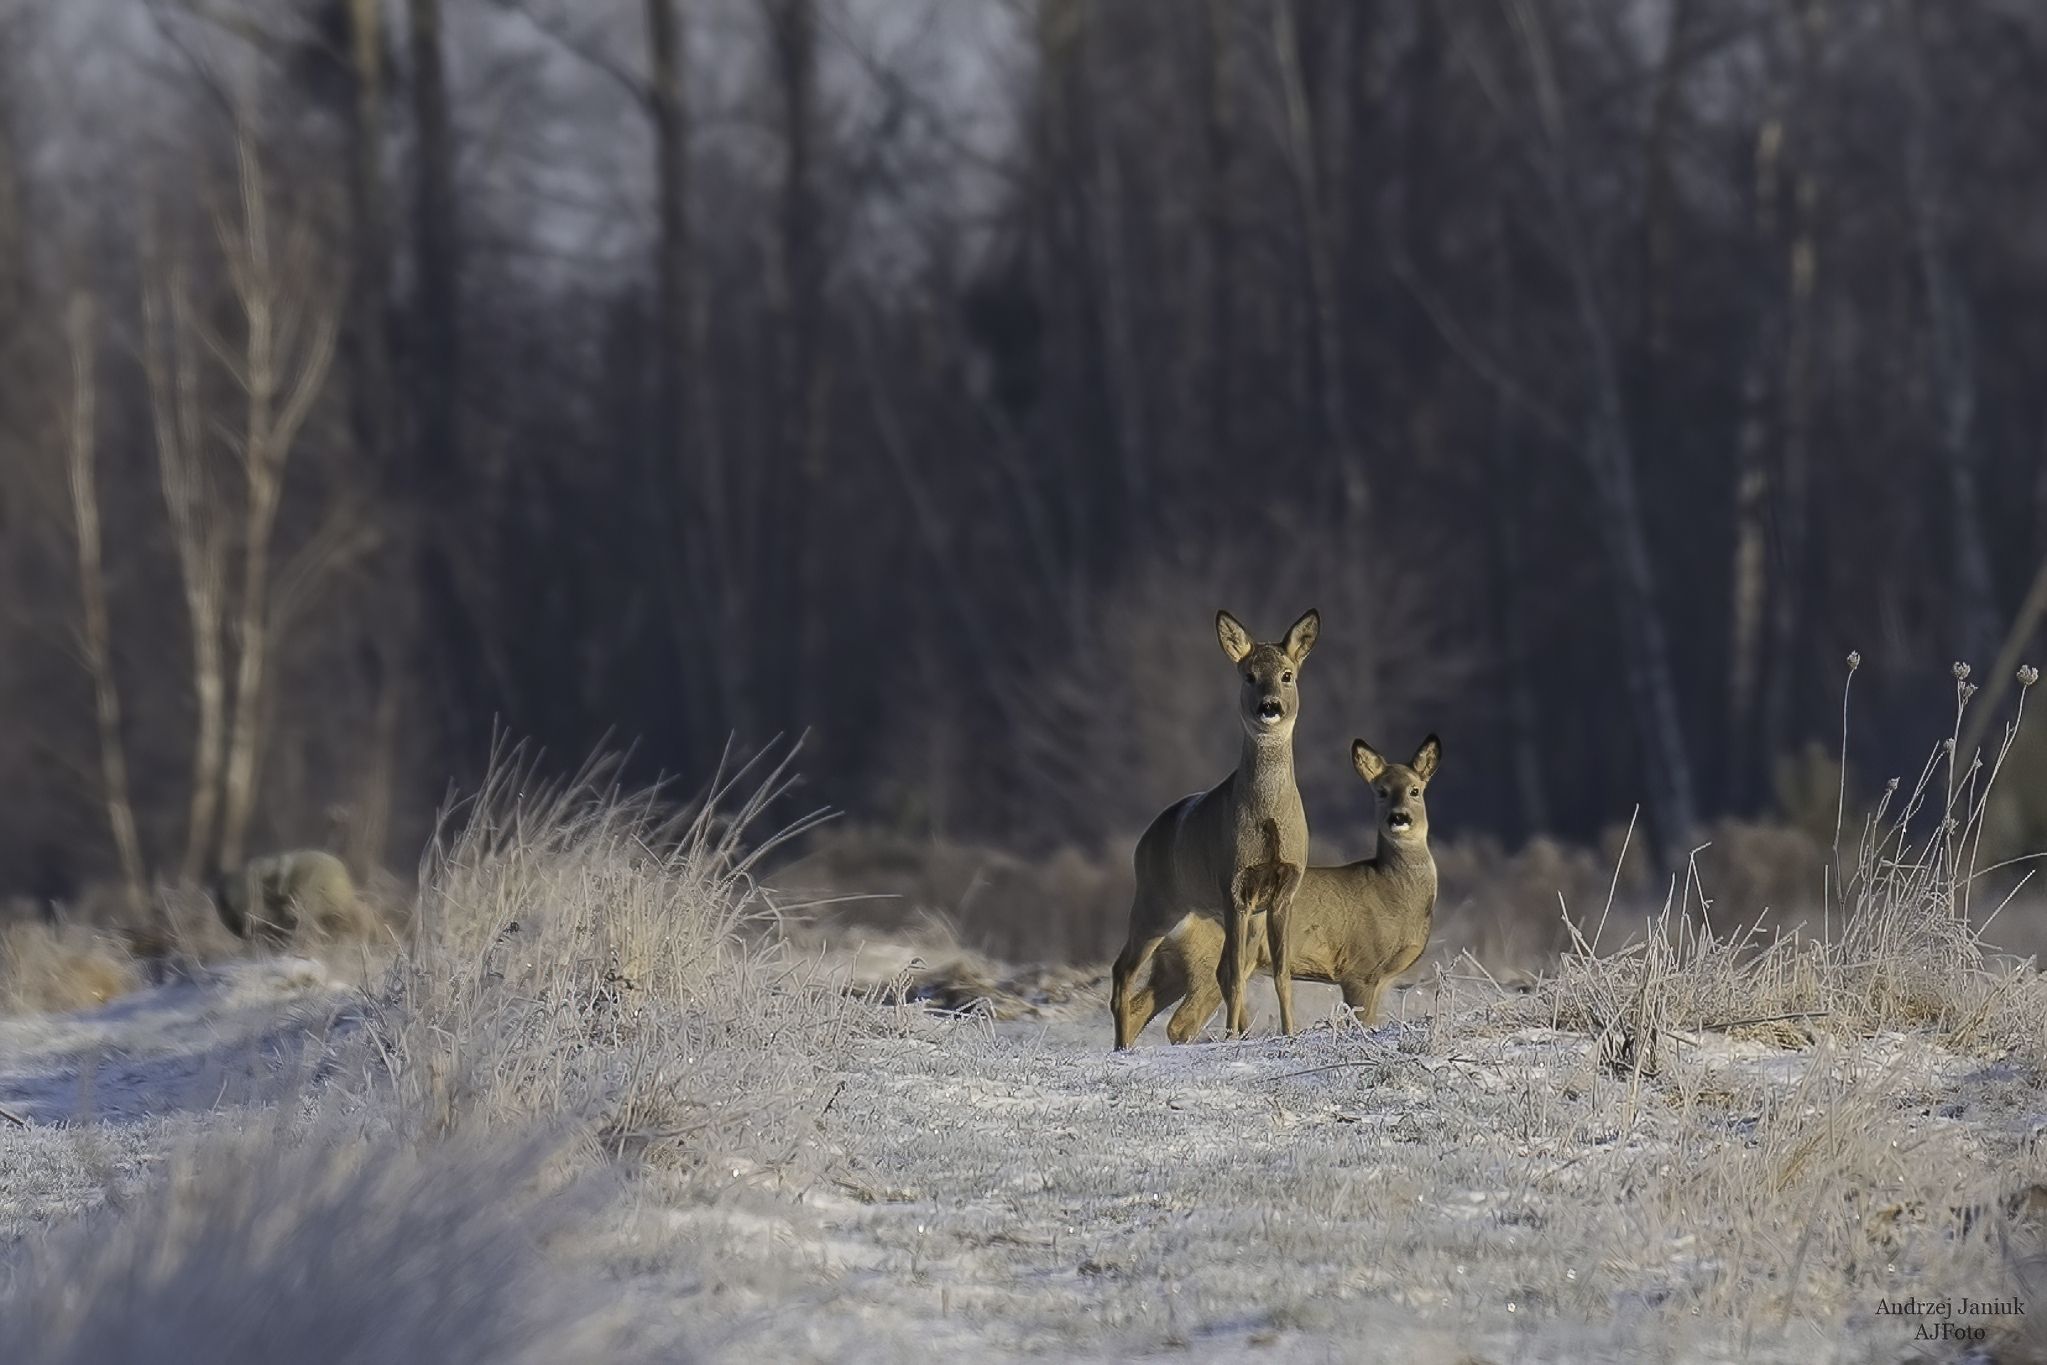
<point>605,1104</point>
<point>1898,941</point>
<point>315,1248</point>
<point>53,968</point>
<point>591,957</point>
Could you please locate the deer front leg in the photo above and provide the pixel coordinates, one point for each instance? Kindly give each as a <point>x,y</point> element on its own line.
<point>1279,940</point>
<point>1239,959</point>
<point>1228,970</point>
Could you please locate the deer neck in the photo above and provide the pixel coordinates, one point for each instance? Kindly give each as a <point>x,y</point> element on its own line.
<point>1404,861</point>
<point>1266,767</point>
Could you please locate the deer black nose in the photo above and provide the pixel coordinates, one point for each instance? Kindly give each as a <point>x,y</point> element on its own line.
<point>1269,709</point>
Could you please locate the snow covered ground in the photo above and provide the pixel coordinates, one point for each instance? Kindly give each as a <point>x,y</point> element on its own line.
<point>1466,1185</point>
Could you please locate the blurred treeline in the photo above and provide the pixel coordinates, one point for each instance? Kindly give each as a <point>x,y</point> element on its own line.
<point>924,373</point>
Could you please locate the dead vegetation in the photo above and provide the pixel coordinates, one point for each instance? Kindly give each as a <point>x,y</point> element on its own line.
<point>327,1247</point>
<point>53,968</point>
<point>1720,1138</point>
<point>588,954</point>
<point>1900,944</point>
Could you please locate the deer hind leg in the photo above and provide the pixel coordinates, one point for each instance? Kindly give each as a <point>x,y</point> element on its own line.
<point>1197,1009</point>
<point>1284,880</point>
<point>1167,985</point>
<point>1362,995</point>
<point>1128,963</point>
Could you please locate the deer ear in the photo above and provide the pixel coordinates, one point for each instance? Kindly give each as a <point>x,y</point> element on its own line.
<point>1300,637</point>
<point>1427,758</point>
<point>1371,765</point>
<point>1236,641</point>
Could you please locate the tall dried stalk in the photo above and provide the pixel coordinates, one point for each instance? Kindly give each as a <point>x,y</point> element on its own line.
<point>95,634</point>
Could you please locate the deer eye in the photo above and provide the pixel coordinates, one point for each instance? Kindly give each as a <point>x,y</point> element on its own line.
<point>1287,676</point>
<point>1414,791</point>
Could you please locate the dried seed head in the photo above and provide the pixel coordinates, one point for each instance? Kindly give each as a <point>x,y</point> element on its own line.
<point>2028,675</point>
<point>1968,690</point>
<point>1891,785</point>
<point>1961,671</point>
<point>1854,659</point>
<point>1947,746</point>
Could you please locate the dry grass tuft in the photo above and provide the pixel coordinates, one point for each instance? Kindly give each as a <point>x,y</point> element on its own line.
<point>262,1249</point>
<point>593,954</point>
<point>56,968</point>
<point>1900,945</point>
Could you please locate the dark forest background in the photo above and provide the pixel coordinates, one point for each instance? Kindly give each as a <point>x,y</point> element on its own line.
<point>377,376</point>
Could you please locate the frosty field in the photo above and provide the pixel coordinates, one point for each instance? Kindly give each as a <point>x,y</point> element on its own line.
<point>1468,1184</point>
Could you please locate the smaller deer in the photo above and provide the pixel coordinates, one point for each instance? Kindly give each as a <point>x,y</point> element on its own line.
<point>1357,926</point>
<point>1189,861</point>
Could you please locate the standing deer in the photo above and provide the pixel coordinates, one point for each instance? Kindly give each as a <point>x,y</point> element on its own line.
<point>1357,926</point>
<point>1189,862</point>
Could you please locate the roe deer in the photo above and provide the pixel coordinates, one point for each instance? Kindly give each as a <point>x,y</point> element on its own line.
<point>1189,860</point>
<point>1357,926</point>
<point>272,897</point>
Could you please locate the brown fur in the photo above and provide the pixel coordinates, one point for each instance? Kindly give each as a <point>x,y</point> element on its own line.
<point>1357,926</point>
<point>1190,862</point>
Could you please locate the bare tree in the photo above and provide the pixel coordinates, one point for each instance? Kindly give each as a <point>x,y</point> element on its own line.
<point>1749,575</point>
<point>693,550</point>
<point>1218,216</point>
<point>170,363</point>
<point>800,280</point>
<point>1324,306</point>
<point>95,635</point>
<point>1506,563</point>
<point>1793,504</point>
<point>1952,345</point>
<point>1607,449</point>
<point>367,342</point>
<point>289,324</point>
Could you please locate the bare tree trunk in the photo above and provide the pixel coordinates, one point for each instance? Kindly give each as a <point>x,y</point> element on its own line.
<point>439,359</point>
<point>1610,461</point>
<point>1122,367</point>
<point>1218,217</point>
<point>171,365</point>
<point>694,555</point>
<point>13,218</point>
<point>1659,195</point>
<point>450,645</point>
<point>1505,566</point>
<point>1749,576</point>
<point>1974,602</point>
<point>367,343</point>
<point>96,634</point>
<point>289,343</point>
<point>1063,265</point>
<point>1324,306</point>
<point>801,264</point>
<point>1787,603</point>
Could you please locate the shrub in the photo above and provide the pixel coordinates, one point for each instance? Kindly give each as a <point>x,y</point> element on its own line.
<point>324,1251</point>
<point>50,967</point>
<point>592,954</point>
